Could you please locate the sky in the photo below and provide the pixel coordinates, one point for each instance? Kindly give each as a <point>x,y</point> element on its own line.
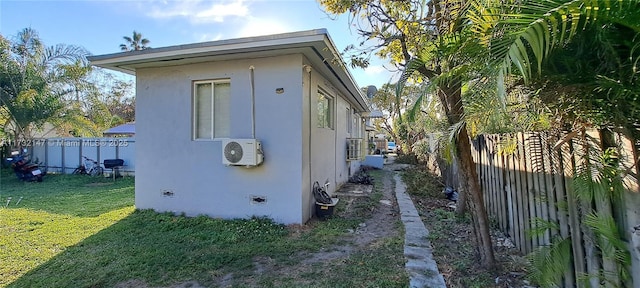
<point>99,25</point>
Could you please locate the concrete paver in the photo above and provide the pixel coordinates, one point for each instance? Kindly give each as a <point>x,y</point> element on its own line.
<point>422,269</point>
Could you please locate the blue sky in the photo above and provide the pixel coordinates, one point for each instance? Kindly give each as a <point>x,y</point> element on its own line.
<point>99,26</point>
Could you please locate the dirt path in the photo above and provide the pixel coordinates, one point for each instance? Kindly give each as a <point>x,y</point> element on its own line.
<point>383,223</point>
<point>385,218</point>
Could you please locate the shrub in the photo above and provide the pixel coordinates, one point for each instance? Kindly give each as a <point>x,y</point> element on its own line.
<point>422,183</point>
<point>407,159</point>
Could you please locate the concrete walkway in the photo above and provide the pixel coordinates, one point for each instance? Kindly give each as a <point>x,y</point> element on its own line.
<point>422,269</point>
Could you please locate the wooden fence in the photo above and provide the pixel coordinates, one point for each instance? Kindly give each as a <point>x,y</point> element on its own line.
<point>430,156</point>
<point>527,178</point>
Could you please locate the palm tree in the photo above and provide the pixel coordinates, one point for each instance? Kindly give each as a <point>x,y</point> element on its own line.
<point>582,57</point>
<point>554,37</point>
<point>135,43</point>
<point>424,38</point>
<point>32,81</point>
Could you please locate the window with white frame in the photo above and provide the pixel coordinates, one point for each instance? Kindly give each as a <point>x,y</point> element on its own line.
<point>356,125</point>
<point>325,110</point>
<point>211,105</point>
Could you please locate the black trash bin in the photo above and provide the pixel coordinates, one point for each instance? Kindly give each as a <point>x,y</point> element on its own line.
<point>324,211</point>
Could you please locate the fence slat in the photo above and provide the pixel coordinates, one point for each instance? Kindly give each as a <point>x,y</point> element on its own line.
<point>485,175</point>
<point>512,206</point>
<point>604,209</point>
<point>492,177</point>
<point>538,181</point>
<point>629,163</point>
<point>549,194</point>
<point>531,189</point>
<point>577,247</point>
<point>496,183</point>
<point>562,203</point>
<point>591,252</point>
<point>520,177</point>
<point>538,184</point>
<point>500,188</point>
<point>486,154</point>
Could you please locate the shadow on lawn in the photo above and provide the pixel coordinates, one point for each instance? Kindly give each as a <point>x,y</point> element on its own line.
<point>75,195</point>
<point>160,249</point>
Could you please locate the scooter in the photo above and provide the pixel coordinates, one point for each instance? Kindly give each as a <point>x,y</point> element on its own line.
<point>25,170</point>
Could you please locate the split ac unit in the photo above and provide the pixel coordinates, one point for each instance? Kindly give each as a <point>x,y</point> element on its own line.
<point>241,152</point>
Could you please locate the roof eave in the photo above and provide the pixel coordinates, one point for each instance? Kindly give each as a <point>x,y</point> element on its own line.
<point>353,88</point>
<point>128,62</point>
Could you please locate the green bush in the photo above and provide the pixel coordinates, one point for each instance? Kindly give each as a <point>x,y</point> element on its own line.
<point>422,183</point>
<point>407,159</point>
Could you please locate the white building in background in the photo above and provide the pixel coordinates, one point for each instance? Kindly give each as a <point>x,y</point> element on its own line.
<point>202,108</point>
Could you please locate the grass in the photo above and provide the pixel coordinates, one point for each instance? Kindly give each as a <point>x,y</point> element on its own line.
<point>78,231</point>
<point>380,264</point>
<point>73,195</point>
<point>40,220</point>
<point>362,207</point>
<point>450,235</point>
<point>421,183</point>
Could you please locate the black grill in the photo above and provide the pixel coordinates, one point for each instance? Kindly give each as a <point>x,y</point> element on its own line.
<point>110,163</point>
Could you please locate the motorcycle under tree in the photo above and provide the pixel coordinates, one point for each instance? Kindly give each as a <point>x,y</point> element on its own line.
<point>23,168</point>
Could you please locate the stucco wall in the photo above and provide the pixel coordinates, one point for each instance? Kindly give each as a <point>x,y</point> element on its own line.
<point>343,167</point>
<point>325,149</point>
<point>307,202</point>
<point>177,174</point>
<point>323,140</point>
<point>168,160</point>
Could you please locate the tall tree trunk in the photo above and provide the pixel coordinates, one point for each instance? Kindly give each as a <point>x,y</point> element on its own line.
<point>475,198</point>
<point>451,98</point>
<point>461,206</point>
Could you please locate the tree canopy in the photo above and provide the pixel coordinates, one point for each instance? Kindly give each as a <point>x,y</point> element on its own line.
<point>54,84</point>
<point>33,81</point>
<point>505,62</point>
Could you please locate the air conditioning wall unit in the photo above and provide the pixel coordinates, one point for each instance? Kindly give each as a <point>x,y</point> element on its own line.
<point>242,152</point>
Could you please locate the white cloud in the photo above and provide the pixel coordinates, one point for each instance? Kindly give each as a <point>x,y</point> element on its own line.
<point>198,11</point>
<point>205,37</point>
<point>257,27</point>
<point>375,70</point>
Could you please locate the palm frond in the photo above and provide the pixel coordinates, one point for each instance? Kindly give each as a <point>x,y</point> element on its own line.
<point>531,31</point>
<point>610,244</point>
<point>447,149</point>
<point>416,108</point>
<point>62,53</point>
<point>454,130</point>
<point>548,263</point>
<point>541,226</point>
<point>412,66</point>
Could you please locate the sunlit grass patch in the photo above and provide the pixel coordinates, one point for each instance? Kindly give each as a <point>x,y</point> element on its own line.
<point>41,220</point>
<point>76,231</point>
<point>33,237</point>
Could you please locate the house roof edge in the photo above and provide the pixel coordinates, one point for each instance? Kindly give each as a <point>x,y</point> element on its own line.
<point>97,59</point>
<point>125,61</point>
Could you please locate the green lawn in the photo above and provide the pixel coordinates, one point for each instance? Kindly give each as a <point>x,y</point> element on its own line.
<point>78,231</point>
<point>41,220</point>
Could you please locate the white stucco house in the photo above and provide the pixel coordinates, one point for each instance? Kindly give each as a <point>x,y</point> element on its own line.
<point>199,106</point>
